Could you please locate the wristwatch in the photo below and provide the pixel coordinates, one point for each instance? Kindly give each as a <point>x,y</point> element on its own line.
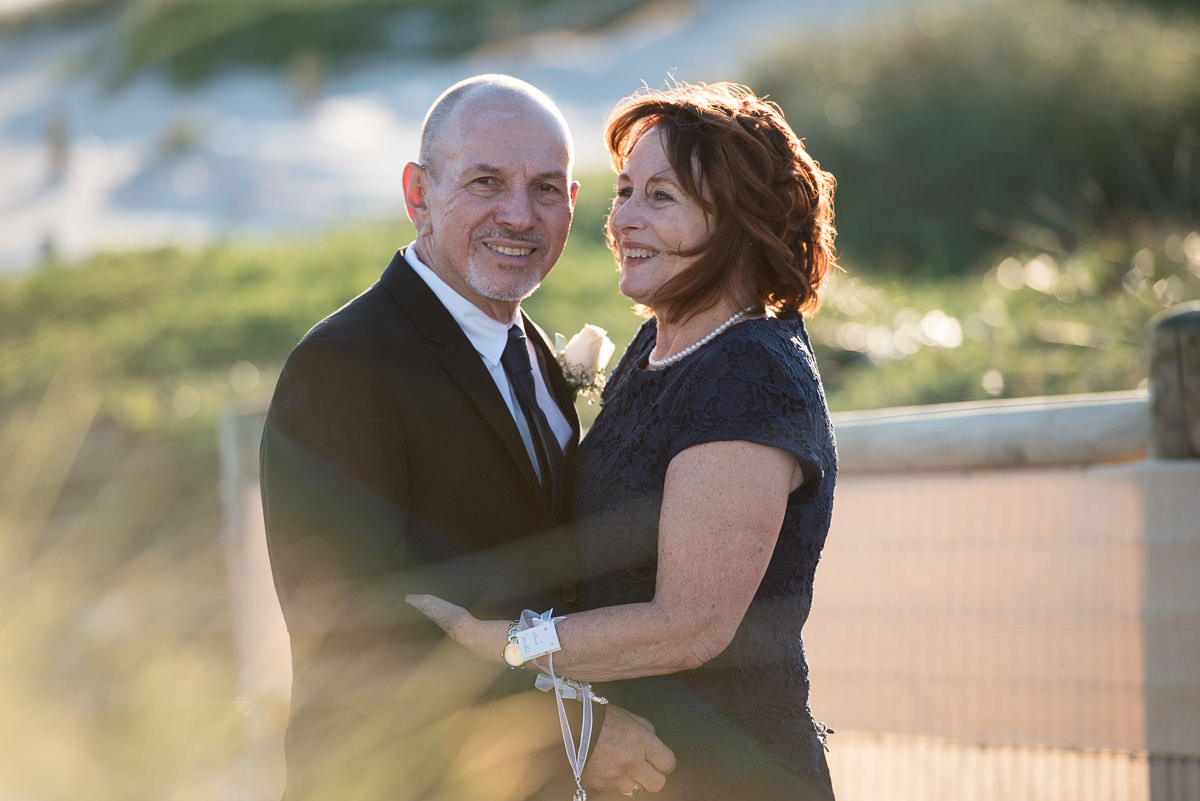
<point>512,649</point>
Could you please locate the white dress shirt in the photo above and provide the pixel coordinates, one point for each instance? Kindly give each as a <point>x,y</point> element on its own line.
<point>489,338</point>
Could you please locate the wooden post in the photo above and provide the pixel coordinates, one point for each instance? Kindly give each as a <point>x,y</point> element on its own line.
<point>1175,383</point>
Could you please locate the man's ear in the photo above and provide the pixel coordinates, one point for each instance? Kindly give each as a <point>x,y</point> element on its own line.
<point>574,191</point>
<point>415,181</point>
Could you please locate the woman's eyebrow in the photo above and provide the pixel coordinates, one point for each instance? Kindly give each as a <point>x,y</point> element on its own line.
<point>664,177</point>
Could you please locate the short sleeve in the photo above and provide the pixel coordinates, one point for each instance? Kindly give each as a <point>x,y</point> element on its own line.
<point>760,386</point>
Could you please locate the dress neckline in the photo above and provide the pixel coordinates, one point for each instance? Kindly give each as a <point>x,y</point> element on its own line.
<point>643,362</point>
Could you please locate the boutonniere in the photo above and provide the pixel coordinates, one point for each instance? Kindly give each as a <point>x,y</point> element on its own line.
<point>583,358</point>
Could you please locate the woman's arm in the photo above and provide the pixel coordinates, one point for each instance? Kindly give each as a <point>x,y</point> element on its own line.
<point>723,504</point>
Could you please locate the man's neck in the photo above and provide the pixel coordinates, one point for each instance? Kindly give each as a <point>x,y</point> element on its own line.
<point>502,311</point>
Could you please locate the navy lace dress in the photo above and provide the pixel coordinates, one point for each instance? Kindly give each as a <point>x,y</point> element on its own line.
<point>744,715</point>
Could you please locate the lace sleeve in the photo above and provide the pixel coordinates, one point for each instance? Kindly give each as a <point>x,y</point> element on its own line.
<point>759,387</point>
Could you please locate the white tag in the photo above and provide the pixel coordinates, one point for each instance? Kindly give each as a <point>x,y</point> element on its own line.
<point>538,641</point>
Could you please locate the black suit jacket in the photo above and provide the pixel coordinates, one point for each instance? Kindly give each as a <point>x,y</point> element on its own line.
<point>390,464</point>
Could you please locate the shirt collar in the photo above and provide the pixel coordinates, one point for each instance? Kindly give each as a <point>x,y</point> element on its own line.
<point>488,336</point>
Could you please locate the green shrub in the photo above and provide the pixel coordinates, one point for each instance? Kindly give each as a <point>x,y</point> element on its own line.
<point>1026,326</point>
<point>965,130</point>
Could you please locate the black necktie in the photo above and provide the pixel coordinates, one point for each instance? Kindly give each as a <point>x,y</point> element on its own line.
<point>515,360</point>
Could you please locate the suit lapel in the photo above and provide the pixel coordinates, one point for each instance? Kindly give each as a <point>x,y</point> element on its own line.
<point>458,358</point>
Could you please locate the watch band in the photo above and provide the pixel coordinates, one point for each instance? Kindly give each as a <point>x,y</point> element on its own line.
<point>512,648</point>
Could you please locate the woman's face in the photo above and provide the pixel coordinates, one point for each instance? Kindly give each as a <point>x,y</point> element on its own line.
<point>652,221</point>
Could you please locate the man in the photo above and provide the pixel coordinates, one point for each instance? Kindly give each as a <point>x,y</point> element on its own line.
<point>402,453</point>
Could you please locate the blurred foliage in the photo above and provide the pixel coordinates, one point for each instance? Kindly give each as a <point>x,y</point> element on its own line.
<point>966,129</point>
<point>194,40</point>
<point>22,17</point>
<point>1165,6</point>
<point>1031,324</point>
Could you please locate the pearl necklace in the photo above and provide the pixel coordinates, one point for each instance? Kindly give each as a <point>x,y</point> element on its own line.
<point>658,363</point>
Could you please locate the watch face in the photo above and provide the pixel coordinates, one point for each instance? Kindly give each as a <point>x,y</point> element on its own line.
<point>512,655</point>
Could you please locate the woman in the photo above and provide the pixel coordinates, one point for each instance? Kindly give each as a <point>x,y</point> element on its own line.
<point>703,492</point>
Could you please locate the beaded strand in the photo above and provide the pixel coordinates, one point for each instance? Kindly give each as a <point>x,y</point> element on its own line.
<point>659,363</point>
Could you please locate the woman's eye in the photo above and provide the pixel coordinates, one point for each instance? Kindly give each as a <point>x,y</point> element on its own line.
<point>624,192</point>
<point>661,195</point>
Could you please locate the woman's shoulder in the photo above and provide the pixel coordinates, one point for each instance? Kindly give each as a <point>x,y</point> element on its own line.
<point>769,349</point>
<point>765,345</point>
<point>762,368</point>
<point>757,382</point>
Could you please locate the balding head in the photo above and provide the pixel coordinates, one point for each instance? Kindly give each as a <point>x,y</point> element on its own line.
<point>456,106</point>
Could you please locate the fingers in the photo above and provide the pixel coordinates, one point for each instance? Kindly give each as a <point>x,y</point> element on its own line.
<point>649,779</point>
<point>656,753</point>
<point>628,751</point>
<point>660,757</point>
<point>422,603</point>
<point>441,612</point>
<point>658,762</point>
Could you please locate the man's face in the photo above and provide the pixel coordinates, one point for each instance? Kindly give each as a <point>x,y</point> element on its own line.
<point>493,212</point>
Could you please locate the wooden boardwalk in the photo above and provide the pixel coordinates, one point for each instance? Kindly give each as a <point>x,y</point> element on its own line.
<point>889,767</point>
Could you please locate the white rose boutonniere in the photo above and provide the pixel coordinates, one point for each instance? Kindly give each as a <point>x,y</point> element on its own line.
<point>583,359</point>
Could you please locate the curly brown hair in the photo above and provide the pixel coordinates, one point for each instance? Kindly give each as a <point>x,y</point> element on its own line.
<point>771,242</point>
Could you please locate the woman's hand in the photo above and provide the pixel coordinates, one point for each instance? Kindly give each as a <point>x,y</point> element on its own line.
<point>483,638</point>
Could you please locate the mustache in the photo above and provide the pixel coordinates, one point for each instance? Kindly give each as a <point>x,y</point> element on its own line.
<point>526,237</point>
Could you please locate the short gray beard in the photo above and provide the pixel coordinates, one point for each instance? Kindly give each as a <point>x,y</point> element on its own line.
<point>477,280</point>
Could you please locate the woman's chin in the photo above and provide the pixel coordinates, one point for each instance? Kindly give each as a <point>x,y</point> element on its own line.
<point>638,294</point>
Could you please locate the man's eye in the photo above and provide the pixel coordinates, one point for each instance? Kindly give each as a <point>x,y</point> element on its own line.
<point>484,180</point>
<point>547,188</point>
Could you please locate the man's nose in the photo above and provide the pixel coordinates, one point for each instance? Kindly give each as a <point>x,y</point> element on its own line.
<point>516,209</point>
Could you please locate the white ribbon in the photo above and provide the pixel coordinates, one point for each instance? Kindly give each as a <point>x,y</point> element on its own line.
<point>577,757</point>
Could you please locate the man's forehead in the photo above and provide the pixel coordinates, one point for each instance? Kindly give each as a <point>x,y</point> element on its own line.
<point>524,150</point>
<point>547,170</point>
<point>484,114</point>
<point>504,135</point>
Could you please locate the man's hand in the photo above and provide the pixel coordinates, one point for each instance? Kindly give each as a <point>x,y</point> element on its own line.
<point>627,754</point>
